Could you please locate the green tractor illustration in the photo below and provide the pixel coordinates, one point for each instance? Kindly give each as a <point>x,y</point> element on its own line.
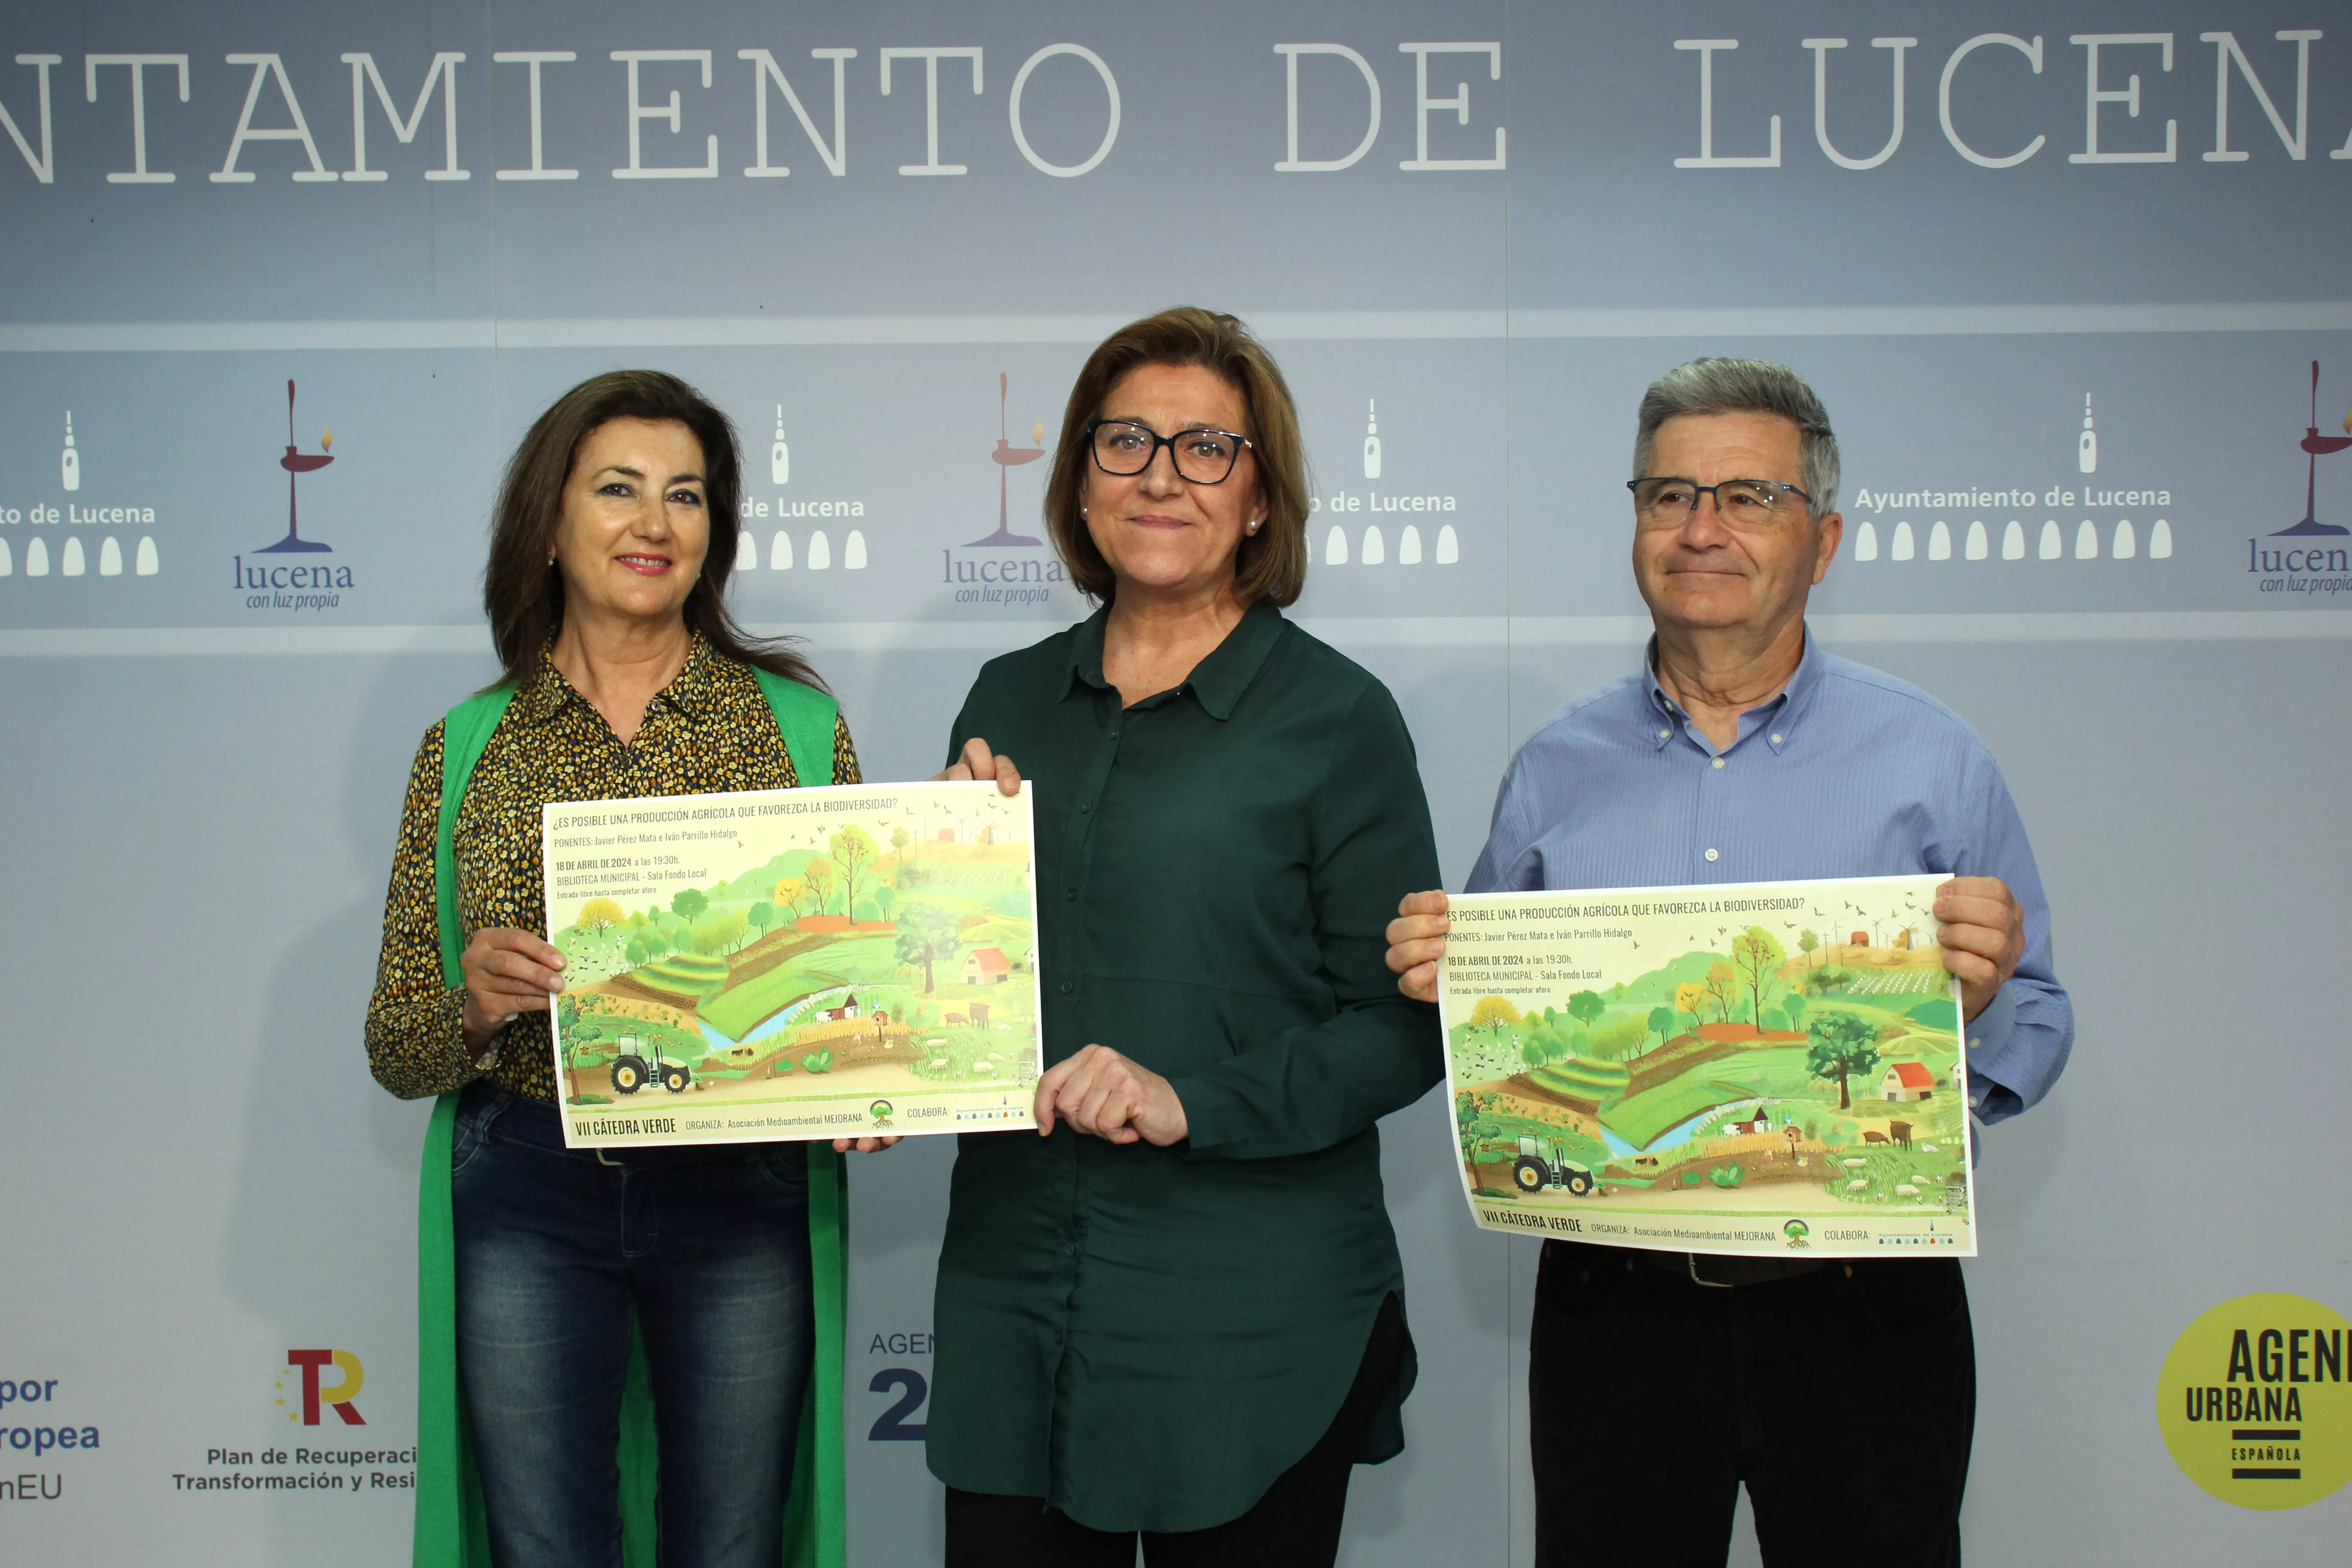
<point>637,1067</point>
<point>1541,1164</point>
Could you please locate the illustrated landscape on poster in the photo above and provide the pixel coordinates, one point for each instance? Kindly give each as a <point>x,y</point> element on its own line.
<point>1754,1068</point>
<point>793,964</point>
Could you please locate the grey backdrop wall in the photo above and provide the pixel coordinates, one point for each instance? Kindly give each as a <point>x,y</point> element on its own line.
<point>2061,273</point>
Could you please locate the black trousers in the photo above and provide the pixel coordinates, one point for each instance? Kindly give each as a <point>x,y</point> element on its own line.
<point>1294,1525</point>
<point>1845,1399</point>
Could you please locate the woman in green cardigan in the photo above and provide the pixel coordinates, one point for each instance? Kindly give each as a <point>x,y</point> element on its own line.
<point>1177,1309</point>
<point>557,1287</point>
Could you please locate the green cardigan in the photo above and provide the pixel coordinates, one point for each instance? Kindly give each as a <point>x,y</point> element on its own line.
<point>450,1528</point>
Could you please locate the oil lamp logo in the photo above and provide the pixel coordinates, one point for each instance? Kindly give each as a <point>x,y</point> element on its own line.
<point>991,579</point>
<point>2302,570</point>
<point>311,1396</point>
<point>295,584</point>
<point>2317,446</point>
<point>1008,456</point>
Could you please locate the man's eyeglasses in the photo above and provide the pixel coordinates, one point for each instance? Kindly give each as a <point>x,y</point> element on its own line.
<point>1204,456</point>
<point>1741,503</point>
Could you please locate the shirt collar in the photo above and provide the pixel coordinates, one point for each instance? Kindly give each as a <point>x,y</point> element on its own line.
<point>691,690</point>
<point>1782,713</point>
<point>1216,682</point>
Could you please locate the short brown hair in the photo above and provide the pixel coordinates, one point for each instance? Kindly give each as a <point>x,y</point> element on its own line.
<point>1272,562</point>
<point>522,591</point>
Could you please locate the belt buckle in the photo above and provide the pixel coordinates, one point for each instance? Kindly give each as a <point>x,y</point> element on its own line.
<point>1691,1260</point>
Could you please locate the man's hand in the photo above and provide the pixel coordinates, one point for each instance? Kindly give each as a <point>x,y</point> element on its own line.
<point>863,1145</point>
<point>1105,1095</point>
<point>979,762</point>
<point>508,972</point>
<point>1982,936</point>
<point>1416,941</point>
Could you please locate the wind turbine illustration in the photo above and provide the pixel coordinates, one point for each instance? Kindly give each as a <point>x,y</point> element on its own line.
<point>297,462</point>
<point>2316,444</point>
<point>1007,456</point>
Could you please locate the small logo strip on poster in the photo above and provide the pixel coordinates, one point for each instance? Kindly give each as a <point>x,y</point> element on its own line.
<point>2253,1404</point>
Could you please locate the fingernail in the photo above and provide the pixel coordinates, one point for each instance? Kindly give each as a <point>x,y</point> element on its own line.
<point>510,1018</point>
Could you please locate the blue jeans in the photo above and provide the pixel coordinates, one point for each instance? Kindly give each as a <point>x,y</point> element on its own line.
<point>556,1249</point>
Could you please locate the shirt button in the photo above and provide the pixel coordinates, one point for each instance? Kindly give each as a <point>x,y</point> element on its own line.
<point>1663,733</point>
<point>1084,809</point>
<point>1065,984</point>
<point>1069,1249</point>
<point>1070,893</point>
<point>1775,740</point>
<point>1710,854</point>
<point>1113,734</point>
<point>1719,762</point>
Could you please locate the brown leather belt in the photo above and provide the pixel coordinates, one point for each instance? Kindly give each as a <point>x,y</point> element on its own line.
<point>1724,1272</point>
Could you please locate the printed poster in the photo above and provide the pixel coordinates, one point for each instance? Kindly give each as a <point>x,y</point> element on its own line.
<point>797,963</point>
<point>1762,1069</point>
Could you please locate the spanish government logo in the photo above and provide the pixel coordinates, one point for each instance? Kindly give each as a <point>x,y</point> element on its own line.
<point>304,1394</point>
<point>2252,1401</point>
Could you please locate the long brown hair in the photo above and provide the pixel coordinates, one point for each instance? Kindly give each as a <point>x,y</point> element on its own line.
<point>522,591</point>
<point>1272,562</point>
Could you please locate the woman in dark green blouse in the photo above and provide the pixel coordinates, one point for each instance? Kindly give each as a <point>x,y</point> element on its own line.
<point>1178,1309</point>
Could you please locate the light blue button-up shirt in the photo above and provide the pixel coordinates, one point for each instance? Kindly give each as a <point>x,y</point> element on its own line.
<point>1848,772</point>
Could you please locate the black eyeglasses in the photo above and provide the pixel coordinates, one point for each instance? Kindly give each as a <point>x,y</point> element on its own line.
<point>1741,503</point>
<point>1124,448</point>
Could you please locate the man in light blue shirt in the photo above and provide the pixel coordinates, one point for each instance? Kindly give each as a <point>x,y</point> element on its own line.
<point>1742,752</point>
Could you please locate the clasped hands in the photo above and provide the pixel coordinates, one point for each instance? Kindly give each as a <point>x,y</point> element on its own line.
<point>1982,934</point>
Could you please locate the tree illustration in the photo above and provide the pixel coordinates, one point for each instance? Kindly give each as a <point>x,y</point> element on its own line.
<point>1806,943</point>
<point>853,848</point>
<point>634,954</point>
<point>818,876</point>
<point>1662,1022</point>
<point>1722,985</point>
<point>689,904</point>
<point>884,894</point>
<point>577,1038</point>
<point>598,916</point>
<point>927,935</point>
<point>1756,953</point>
<point>1843,1045</point>
<point>1793,1004</point>
<point>1689,997</point>
<point>1616,1040</point>
<point>1584,1006</point>
<point>763,915</point>
<point>900,838</point>
<point>1494,1013</point>
<point>655,943</point>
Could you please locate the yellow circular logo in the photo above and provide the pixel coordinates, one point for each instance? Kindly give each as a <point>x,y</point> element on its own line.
<point>2255,1405</point>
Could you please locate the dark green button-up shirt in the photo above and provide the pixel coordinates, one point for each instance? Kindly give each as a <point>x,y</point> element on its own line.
<point>1145,1337</point>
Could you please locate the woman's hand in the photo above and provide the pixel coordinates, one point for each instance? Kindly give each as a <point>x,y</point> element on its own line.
<point>1105,1095</point>
<point>508,972</point>
<point>863,1145</point>
<point>979,762</point>
<point>1416,941</point>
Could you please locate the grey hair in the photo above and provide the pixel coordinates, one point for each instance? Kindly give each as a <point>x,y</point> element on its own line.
<point>1718,386</point>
